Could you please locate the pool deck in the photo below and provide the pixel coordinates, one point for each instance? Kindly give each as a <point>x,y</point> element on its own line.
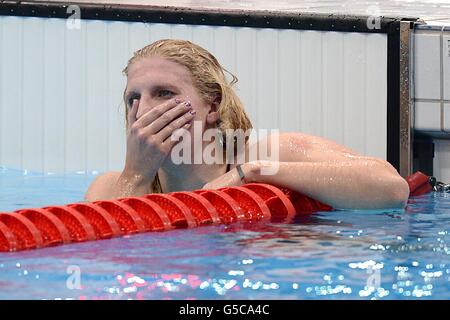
<point>430,11</point>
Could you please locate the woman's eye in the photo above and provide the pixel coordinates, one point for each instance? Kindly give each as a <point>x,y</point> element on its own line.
<point>165,93</point>
<point>131,99</point>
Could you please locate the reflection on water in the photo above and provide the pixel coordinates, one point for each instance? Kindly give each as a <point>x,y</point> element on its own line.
<point>338,255</point>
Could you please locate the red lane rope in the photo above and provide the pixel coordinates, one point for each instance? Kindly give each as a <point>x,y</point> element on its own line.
<point>128,219</point>
<point>105,226</point>
<point>26,233</point>
<point>154,217</point>
<point>203,211</point>
<point>180,215</point>
<point>251,203</point>
<point>304,204</point>
<point>77,222</point>
<point>419,184</point>
<point>281,208</point>
<point>51,227</point>
<point>79,227</point>
<point>229,210</point>
<point>8,240</point>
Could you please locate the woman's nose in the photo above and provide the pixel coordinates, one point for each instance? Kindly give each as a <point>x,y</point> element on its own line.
<point>145,104</point>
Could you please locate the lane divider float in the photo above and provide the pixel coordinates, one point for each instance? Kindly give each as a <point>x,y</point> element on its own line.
<point>86,221</point>
<point>78,222</point>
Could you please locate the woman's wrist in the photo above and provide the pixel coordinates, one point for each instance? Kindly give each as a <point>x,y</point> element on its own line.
<point>255,171</point>
<point>251,171</point>
<point>133,184</point>
<point>135,178</point>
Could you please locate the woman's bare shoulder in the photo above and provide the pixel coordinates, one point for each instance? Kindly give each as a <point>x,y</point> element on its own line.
<point>101,186</point>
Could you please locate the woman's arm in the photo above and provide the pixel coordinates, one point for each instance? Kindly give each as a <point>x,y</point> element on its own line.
<point>148,144</point>
<point>328,172</point>
<point>357,184</point>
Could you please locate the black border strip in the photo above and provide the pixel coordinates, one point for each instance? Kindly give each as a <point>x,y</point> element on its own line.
<point>239,18</point>
<point>174,15</point>
<point>393,95</point>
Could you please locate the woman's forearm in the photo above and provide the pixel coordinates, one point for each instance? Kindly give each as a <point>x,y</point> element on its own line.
<point>362,184</point>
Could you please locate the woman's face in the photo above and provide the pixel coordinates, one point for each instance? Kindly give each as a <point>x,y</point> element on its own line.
<point>155,80</point>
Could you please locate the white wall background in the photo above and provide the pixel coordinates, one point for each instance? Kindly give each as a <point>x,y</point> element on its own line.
<point>60,89</point>
<point>432,93</point>
<point>432,80</point>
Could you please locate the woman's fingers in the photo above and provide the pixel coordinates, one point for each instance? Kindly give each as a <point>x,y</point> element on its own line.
<point>176,135</point>
<point>169,116</point>
<point>155,113</point>
<point>133,111</point>
<point>156,126</point>
<point>176,124</point>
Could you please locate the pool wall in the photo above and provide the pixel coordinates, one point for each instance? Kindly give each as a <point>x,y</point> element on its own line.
<point>432,95</point>
<point>61,87</point>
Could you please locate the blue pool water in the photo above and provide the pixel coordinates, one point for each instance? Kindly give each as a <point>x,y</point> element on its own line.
<point>329,255</point>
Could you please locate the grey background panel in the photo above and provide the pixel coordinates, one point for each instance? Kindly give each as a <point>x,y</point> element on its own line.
<point>446,64</point>
<point>431,78</point>
<point>427,67</point>
<point>432,93</point>
<point>427,116</point>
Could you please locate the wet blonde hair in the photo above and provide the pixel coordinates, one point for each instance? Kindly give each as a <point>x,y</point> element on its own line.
<point>208,77</point>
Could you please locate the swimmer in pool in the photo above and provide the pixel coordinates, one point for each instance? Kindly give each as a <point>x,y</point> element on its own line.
<point>177,91</point>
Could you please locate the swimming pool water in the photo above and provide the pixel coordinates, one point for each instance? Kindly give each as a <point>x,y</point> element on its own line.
<point>329,255</point>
